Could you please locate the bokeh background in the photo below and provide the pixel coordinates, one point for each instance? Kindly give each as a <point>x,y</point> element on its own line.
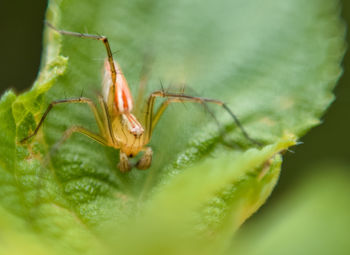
<point>21,24</point>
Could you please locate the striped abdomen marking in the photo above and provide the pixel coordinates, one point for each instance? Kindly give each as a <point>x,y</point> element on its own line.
<point>122,98</point>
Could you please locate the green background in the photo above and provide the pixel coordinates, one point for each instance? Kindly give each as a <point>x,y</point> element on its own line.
<point>21,26</point>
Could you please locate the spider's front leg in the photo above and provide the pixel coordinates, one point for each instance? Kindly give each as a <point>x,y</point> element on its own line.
<point>152,119</point>
<point>85,100</point>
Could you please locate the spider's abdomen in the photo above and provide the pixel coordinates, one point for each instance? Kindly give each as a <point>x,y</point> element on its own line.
<point>122,97</point>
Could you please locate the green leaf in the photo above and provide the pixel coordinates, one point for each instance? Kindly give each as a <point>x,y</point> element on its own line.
<point>312,220</point>
<point>274,64</point>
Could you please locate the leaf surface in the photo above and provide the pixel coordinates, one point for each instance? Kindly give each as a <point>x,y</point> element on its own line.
<point>274,64</point>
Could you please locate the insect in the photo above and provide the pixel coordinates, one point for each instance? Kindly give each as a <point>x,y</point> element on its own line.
<point>119,127</point>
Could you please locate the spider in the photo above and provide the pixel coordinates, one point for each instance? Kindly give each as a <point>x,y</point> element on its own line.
<point>118,127</point>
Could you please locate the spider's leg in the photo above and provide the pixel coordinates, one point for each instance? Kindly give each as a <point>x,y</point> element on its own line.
<point>152,119</point>
<point>101,38</point>
<point>78,129</point>
<point>67,101</point>
<point>144,77</point>
<point>107,124</point>
<point>67,134</point>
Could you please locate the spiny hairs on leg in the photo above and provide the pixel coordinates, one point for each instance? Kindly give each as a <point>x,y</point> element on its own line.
<point>240,126</point>
<point>179,97</point>
<point>101,38</point>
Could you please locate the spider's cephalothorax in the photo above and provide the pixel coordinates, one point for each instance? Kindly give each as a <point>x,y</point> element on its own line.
<point>119,128</point>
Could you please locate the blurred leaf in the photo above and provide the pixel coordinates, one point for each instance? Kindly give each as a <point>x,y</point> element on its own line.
<point>275,65</point>
<point>312,220</point>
